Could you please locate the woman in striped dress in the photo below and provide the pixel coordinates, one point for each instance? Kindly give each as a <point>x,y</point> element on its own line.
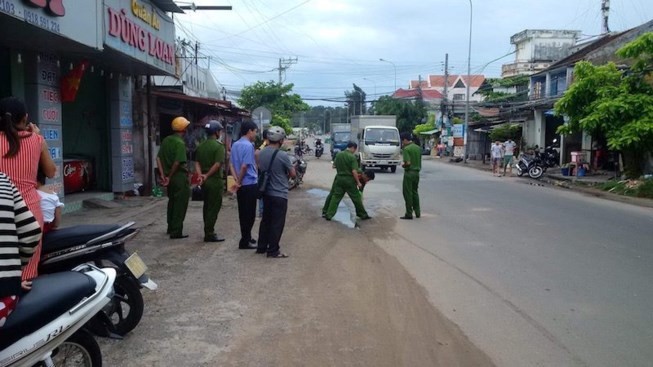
<point>22,152</point>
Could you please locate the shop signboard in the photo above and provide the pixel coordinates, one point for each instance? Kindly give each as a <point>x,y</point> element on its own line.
<point>43,100</point>
<point>122,135</point>
<point>458,130</point>
<point>141,30</point>
<point>75,20</point>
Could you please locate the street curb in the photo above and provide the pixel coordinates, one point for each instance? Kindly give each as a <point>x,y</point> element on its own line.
<point>641,202</point>
<point>132,214</point>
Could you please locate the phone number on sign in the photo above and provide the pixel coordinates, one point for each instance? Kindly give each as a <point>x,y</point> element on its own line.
<point>41,21</point>
<point>7,7</point>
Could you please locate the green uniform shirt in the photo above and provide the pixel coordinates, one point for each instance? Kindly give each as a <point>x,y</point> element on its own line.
<point>413,154</point>
<point>208,153</point>
<point>345,162</point>
<point>173,149</point>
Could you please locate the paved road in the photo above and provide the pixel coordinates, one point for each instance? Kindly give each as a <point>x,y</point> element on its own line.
<point>535,276</point>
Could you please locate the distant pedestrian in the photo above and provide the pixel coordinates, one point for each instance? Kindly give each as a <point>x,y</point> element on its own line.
<point>209,158</point>
<point>412,163</point>
<point>508,153</point>
<point>244,171</point>
<point>277,164</point>
<point>497,155</point>
<point>347,181</point>
<point>171,162</point>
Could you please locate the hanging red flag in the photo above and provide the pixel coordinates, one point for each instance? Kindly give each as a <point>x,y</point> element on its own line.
<point>70,82</point>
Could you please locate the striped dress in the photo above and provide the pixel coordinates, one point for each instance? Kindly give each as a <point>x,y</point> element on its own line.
<point>22,170</point>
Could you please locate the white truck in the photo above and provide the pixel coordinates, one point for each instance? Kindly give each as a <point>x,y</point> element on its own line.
<point>378,141</point>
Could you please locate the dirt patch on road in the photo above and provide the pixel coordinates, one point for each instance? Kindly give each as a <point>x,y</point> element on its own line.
<point>339,300</point>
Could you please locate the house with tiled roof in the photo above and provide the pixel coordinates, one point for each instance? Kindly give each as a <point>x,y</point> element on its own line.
<point>428,95</point>
<point>456,86</point>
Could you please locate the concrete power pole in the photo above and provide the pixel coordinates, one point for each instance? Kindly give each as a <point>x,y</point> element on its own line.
<point>283,65</point>
<point>605,10</point>
<point>445,100</point>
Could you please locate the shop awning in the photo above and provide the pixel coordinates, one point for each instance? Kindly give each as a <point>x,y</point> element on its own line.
<point>211,102</point>
<point>168,5</point>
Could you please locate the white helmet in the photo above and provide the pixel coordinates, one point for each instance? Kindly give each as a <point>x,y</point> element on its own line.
<point>276,134</point>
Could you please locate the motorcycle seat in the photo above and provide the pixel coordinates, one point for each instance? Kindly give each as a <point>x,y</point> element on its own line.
<point>72,236</point>
<point>51,296</point>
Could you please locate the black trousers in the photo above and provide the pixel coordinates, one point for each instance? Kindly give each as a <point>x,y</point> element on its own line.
<point>246,196</point>
<point>272,224</point>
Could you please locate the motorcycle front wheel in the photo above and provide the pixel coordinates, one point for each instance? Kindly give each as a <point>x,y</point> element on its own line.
<point>520,172</point>
<point>535,172</point>
<point>80,349</point>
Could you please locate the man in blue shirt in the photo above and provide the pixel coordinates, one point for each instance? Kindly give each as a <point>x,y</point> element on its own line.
<point>243,169</point>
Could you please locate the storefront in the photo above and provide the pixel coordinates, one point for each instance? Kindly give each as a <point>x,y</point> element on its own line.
<point>75,67</point>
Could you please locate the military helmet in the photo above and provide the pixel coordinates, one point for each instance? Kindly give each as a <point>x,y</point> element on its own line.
<point>276,134</point>
<point>180,123</point>
<point>212,127</point>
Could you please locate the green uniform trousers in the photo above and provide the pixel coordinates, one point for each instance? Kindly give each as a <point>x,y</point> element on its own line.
<point>212,190</point>
<point>325,208</point>
<point>178,196</point>
<point>411,196</point>
<point>346,184</point>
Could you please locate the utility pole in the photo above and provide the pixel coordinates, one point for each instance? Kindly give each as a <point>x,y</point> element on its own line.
<point>605,10</point>
<point>283,65</point>
<point>197,48</point>
<point>445,102</point>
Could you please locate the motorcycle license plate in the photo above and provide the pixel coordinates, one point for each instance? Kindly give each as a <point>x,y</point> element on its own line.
<point>136,265</point>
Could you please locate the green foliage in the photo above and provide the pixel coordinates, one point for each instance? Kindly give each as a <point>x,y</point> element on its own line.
<point>604,100</point>
<point>408,113</point>
<point>643,189</point>
<point>487,90</point>
<point>428,126</point>
<point>505,132</point>
<point>278,98</point>
<point>356,101</point>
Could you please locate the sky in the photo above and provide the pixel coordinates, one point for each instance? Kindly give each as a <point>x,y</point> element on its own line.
<point>338,43</point>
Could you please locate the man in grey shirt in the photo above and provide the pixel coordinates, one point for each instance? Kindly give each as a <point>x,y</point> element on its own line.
<point>275,197</point>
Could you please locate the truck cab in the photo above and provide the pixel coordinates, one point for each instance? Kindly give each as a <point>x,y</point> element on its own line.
<point>339,141</point>
<point>380,146</point>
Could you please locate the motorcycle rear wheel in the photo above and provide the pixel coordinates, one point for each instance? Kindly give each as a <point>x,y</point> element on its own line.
<point>80,349</point>
<point>126,307</point>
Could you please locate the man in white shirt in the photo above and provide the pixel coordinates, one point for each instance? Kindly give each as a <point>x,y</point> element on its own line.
<point>497,155</point>
<point>509,152</point>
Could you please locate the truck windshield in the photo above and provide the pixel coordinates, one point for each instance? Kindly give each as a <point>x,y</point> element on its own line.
<point>381,136</point>
<point>341,137</point>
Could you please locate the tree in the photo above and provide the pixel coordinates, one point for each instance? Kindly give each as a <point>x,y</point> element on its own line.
<point>278,98</point>
<point>604,100</point>
<point>428,126</point>
<point>356,101</point>
<point>408,113</point>
<point>491,95</point>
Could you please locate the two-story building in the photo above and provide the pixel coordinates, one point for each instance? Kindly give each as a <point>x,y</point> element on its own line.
<point>547,86</point>
<point>537,49</point>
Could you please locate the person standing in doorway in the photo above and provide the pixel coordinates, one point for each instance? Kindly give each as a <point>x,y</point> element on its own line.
<point>209,158</point>
<point>277,164</point>
<point>171,162</point>
<point>243,169</point>
<point>412,164</point>
<point>347,181</point>
<point>497,154</point>
<point>508,153</point>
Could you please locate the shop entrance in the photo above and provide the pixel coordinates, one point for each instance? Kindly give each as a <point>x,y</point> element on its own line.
<point>86,137</point>
<point>5,73</point>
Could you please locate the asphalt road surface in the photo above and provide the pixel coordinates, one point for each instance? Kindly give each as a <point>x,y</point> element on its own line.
<point>534,276</point>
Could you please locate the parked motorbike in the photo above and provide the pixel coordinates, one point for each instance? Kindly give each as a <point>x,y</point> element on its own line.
<point>104,246</point>
<point>47,328</point>
<point>300,168</point>
<point>529,164</point>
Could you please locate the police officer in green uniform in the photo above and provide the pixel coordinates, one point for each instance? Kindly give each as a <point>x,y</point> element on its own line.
<point>171,162</point>
<point>209,156</point>
<point>347,181</point>
<point>412,156</point>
